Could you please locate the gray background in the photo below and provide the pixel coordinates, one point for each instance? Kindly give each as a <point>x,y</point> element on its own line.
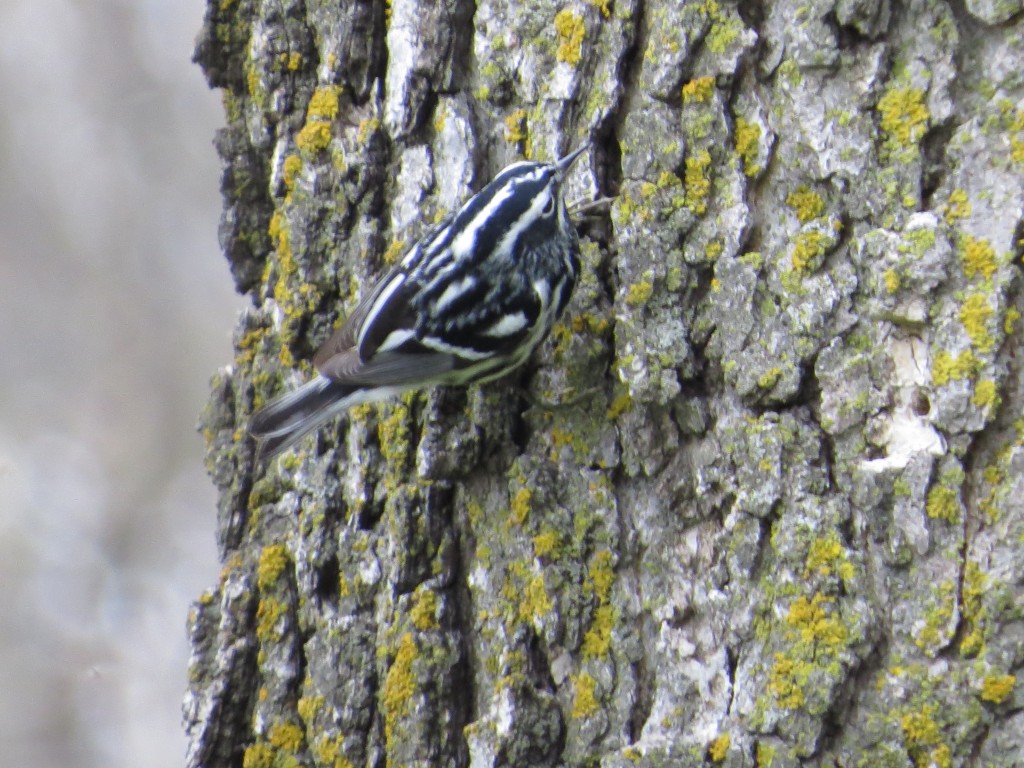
<point>115,307</point>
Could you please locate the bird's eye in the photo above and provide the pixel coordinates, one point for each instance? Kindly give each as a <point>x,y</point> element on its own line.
<point>549,206</point>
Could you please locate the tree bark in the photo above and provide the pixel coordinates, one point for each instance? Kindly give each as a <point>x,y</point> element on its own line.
<point>777,516</point>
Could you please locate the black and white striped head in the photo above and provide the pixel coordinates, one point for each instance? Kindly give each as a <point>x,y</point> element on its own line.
<point>524,199</point>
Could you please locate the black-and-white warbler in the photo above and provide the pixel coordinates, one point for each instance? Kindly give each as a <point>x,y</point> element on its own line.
<point>468,303</point>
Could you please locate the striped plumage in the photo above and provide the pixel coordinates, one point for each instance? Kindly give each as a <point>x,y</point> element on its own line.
<point>468,303</point>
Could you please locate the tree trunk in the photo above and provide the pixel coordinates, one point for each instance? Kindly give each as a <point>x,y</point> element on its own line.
<point>776,516</point>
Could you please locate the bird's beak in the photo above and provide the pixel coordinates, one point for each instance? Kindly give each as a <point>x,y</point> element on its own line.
<point>564,164</point>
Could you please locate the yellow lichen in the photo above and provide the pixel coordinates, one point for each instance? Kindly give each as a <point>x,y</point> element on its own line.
<point>286,736</point>
<point>806,203</point>
<point>923,738</point>
<point>996,688</point>
<point>520,505</point>
<point>258,755</point>
<point>639,293</point>
<point>719,748</point>
<point>399,684</point>
<point>323,103</point>
<point>946,368</point>
<point>602,575</point>
<point>815,623</point>
<point>826,556</point>
<point>769,378</point>
<point>904,116</point>
<point>974,314</point>
<point>748,141</point>
<point>943,504</point>
<point>1010,319</point>
<point>808,248</point>
<point>957,207</point>
<point>785,682</point>
<point>273,560</point>
<point>585,702</point>
<point>892,280</point>
<point>985,394</point>
<point>978,256</point>
<point>314,137</point>
<point>620,405</point>
<point>699,89</point>
<point>535,601</point>
<point>290,168</point>
<point>424,610</point>
<point>546,542</point>
<point>393,252</point>
<point>516,127</point>
<point>598,639</point>
<point>367,128</point>
<point>697,182</point>
<point>570,31</point>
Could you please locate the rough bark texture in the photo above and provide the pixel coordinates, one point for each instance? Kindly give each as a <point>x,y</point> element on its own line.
<point>778,519</point>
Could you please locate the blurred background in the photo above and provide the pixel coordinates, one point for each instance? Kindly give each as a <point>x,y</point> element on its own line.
<point>115,307</point>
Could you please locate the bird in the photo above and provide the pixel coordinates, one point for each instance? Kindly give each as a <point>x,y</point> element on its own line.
<point>467,303</point>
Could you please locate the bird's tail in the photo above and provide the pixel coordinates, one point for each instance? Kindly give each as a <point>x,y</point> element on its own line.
<point>284,421</point>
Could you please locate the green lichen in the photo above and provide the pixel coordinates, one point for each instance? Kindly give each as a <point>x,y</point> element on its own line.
<point>724,29</point>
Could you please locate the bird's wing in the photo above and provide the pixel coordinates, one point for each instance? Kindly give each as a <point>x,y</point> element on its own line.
<point>384,309</point>
<point>388,368</point>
